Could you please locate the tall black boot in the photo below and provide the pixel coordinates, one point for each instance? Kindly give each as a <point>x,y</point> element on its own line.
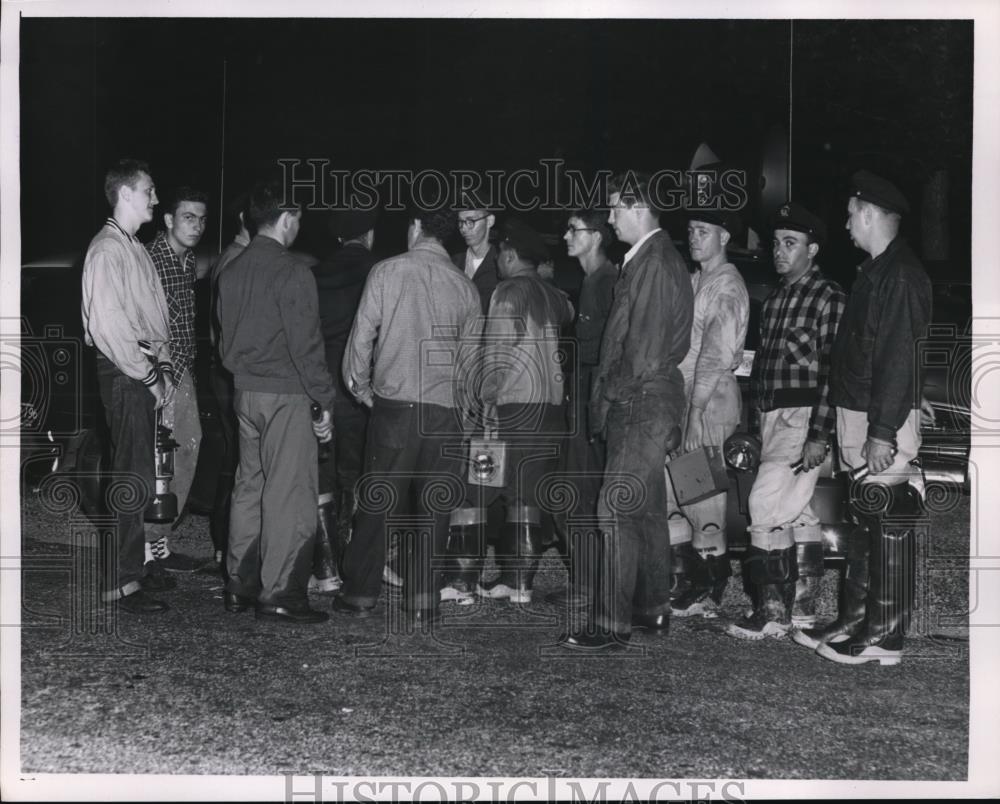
<point>853,590</point>
<point>809,557</point>
<point>325,577</point>
<point>684,566</point>
<point>520,543</point>
<point>773,574</point>
<point>706,578</point>
<point>465,548</point>
<point>892,579</point>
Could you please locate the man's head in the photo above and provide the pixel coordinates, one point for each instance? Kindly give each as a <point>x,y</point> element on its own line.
<point>874,210</point>
<point>184,218</point>
<point>474,225</point>
<point>355,225</point>
<point>272,215</point>
<point>798,235</point>
<point>437,225</point>
<point>130,191</point>
<point>633,212</point>
<point>588,232</point>
<point>522,249</point>
<point>709,232</point>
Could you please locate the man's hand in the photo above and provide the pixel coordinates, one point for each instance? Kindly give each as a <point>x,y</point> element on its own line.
<point>927,417</point>
<point>159,392</point>
<point>324,428</point>
<point>878,454</point>
<point>813,454</point>
<point>169,390</point>
<point>694,432</point>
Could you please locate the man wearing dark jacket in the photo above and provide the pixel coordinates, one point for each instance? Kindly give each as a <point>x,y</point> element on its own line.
<point>637,403</point>
<point>479,261</point>
<point>875,384</point>
<point>271,343</point>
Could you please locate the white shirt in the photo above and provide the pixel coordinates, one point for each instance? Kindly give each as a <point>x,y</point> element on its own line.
<point>472,263</point>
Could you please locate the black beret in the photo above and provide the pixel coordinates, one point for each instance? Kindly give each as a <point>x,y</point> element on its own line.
<point>727,219</point>
<point>876,190</point>
<point>525,241</point>
<point>348,223</point>
<point>798,219</point>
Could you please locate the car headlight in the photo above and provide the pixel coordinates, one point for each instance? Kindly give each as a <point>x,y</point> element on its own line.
<point>742,452</point>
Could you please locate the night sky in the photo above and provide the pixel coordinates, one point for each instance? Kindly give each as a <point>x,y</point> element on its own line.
<point>895,97</point>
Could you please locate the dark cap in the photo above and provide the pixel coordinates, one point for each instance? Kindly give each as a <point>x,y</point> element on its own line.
<point>727,219</point>
<point>798,219</point>
<point>525,241</point>
<point>348,223</point>
<point>881,192</point>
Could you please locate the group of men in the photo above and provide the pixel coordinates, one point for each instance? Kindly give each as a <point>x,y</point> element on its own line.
<point>429,349</point>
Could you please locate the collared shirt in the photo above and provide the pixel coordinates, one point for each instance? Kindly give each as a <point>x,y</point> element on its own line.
<point>718,330</point>
<point>638,245</point>
<point>123,306</point>
<point>596,297</point>
<point>177,274</point>
<point>416,333</point>
<point>792,366</point>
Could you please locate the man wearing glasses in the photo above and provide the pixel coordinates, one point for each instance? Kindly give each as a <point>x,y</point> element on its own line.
<point>479,260</point>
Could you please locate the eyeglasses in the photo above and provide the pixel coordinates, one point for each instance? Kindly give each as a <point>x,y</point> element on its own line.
<point>468,223</point>
<point>574,230</point>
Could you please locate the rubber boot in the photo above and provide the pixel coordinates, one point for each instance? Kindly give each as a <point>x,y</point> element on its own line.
<point>521,550</point>
<point>465,550</point>
<point>773,574</point>
<point>809,557</point>
<point>325,577</point>
<point>345,522</point>
<point>892,579</point>
<point>853,591</point>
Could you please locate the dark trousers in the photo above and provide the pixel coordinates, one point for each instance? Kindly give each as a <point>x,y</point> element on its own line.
<point>129,409</point>
<point>350,422</point>
<point>221,383</point>
<point>412,465</point>
<point>635,550</point>
<point>273,514</point>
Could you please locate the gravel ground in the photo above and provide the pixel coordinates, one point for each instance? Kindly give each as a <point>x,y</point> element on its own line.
<point>198,690</point>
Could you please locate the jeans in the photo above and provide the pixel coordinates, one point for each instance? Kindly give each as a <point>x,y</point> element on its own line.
<point>632,511</point>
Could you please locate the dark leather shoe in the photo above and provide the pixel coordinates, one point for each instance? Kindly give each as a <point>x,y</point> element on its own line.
<point>652,623</point>
<point>341,606</point>
<point>237,603</point>
<point>595,642</point>
<point>285,614</point>
<point>154,579</point>
<point>140,603</point>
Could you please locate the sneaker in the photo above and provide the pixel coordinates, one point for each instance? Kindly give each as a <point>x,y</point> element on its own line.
<point>804,620</point>
<point>757,626</point>
<point>846,654</point>
<point>501,591</point>
<point>460,596</point>
<point>324,586</point>
<point>688,605</point>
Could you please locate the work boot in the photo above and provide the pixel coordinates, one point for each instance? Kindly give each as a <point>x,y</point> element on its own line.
<point>809,556</point>
<point>325,578</point>
<point>854,591</point>
<point>892,578</point>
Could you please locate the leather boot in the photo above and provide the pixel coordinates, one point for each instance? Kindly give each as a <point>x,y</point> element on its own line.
<point>892,578</point>
<point>773,574</point>
<point>684,566</point>
<point>325,577</point>
<point>809,557</point>
<point>853,591</point>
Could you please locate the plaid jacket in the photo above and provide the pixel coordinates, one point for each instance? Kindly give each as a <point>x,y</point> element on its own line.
<point>792,366</point>
<point>177,277</point>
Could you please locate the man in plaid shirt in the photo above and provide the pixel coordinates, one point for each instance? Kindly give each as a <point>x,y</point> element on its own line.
<point>790,387</point>
<point>172,252</point>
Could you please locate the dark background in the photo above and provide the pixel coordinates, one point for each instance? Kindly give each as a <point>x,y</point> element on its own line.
<point>892,96</point>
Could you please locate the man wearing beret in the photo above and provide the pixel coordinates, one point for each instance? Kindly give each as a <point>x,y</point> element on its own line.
<point>875,384</point>
<point>636,405</point>
<point>523,384</point>
<point>700,563</point>
<point>790,388</point>
<point>340,281</point>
